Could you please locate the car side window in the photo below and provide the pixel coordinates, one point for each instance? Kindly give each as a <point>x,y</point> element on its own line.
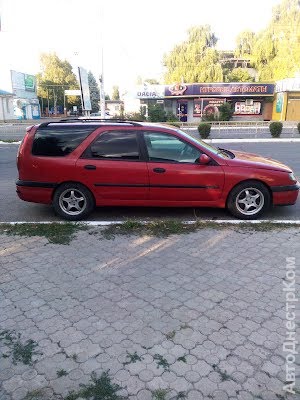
<point>118,145</point>
<point>164,147</point>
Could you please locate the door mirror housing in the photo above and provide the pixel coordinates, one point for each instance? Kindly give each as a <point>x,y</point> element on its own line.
<point>204,159</point>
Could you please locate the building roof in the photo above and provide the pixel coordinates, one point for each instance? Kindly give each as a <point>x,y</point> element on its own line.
<point>4,93</point>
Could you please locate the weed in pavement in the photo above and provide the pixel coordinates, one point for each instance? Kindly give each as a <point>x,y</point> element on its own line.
<point>159,394</point>
<point>20,352</point>
<point>162,362</point>
<point>132,358</point>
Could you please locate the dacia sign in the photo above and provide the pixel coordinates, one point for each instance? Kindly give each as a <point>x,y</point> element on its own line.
<point>150,91</point>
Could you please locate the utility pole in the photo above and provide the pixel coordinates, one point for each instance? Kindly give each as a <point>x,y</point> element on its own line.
<point>102,92</point>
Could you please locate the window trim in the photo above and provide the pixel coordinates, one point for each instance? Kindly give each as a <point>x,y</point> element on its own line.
<point>86,155</point>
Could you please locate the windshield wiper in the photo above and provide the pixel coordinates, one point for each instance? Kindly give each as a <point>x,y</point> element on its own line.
<point>226,152</point>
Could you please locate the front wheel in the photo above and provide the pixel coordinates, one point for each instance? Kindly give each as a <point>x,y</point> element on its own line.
<point>73,201</point>
<point>249,200</point>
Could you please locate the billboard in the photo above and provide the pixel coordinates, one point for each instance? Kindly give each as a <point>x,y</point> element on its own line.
<point>85,89</point>
<point>206,106</point>
<point>23,85</point>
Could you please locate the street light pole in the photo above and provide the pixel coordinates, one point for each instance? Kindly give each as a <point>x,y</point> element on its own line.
<point>102,92</point>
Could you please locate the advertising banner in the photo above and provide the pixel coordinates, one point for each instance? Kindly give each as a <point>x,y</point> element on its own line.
<point>206,106</point>
<point>23,85</point>
<point>85,89</point>
<point>147,91</point>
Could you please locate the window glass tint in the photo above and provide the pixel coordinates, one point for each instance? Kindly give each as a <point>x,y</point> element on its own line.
<point>59,141</point>
<point>120,145</point>
<point>163,147</point>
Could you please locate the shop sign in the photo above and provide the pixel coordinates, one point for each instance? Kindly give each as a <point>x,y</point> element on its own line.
<point>149,91</point>
<point>220,89</point>
<point>242,108</point>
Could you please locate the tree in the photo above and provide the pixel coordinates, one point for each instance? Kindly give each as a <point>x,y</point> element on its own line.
<point>244,43</point>
<point>56,76</point>
<point>275,51</point>
<point>115,93</point>
<point>94,92</point>
<point>239,75</point>
<point>194,60</point>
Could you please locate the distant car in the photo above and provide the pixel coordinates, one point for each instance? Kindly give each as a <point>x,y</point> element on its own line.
<point>78,165</point>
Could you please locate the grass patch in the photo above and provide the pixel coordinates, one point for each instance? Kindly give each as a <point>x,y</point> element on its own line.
<point>9,140</point>
<point>61,372</point>
<point>161,362</point>
<point>132,358</point>
<point>171,335</point>
<point>36,394</point>
<point>160,394</point>
<point>165,228</point>
<point>182,358</point>
<point>223,374</point>
<point>99,388</point>
<point>19,351</point>
<point>55,232</point>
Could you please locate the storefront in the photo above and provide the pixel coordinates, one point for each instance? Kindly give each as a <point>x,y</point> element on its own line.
<point>191,102</point>
<point>26,103</point>
<point>286,105</point>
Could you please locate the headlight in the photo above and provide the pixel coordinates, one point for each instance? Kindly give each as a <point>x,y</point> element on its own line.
<point>292,177</point>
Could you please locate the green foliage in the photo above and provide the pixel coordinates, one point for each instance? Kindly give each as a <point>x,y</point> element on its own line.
<point>225,112</point>
<point>132,358</point>
<point>172,117</point>
<point>94,92</point>
<point>194,60</point>
<point>56,76</point>
<point>298,127</point>
<point>204,130</point>
<point>156,113</point>
<point>275,51</point>
<point>61,372</point>
<point>275,128</point>
<point>115,93</point>
<point>161,362</point>
<point>20,352</point>
<point>244,43</point>
<point>98,389</point>
<point>159,394</point>
<point>54,232</point>
<point>239,75</point>
<point>135,116</point>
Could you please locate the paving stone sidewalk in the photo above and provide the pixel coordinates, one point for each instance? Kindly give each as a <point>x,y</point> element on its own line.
<point>201,315</point>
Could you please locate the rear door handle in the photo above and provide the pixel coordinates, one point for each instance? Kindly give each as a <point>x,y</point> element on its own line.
<point>159,170</point>
<point>90,167</point>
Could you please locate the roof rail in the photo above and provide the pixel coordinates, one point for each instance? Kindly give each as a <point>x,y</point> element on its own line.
<point>111,120</point>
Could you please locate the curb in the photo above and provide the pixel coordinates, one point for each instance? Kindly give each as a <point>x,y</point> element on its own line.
<point>217,221</point>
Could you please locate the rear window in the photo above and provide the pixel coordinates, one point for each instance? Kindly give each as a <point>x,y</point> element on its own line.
<point>59,141</point>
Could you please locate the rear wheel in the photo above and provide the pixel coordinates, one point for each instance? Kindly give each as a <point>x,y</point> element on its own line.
<point>249,200</point>
<point>73,201</point>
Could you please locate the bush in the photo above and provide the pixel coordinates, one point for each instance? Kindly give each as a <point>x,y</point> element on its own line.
<point>298,127</point>
<point>275,128</point>
<point>177,124</point>
<point>204,130</point>
<point>156,113</point>
<point>225,112</point>
<point>171,117</point>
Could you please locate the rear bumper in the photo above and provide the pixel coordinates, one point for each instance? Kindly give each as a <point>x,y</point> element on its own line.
<point>34,194</point>
<point>285,195</point>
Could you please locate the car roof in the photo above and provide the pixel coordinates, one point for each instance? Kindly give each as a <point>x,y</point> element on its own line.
<point>104,122</point>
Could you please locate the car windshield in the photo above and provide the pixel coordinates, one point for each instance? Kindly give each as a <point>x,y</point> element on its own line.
<point>207,146</point>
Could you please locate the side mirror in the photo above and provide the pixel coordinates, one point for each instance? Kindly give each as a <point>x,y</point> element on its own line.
<point>204,159</point>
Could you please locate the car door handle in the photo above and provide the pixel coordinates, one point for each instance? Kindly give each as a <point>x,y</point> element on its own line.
<point>159,170</point>
<point>90,167</point>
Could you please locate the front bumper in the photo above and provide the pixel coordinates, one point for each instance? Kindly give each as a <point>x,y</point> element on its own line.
<point>285,195</point>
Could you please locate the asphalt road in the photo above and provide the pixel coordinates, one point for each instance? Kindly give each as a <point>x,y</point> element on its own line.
<point>14,209</point>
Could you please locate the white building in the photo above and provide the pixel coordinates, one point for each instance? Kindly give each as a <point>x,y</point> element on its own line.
<point>6,106</point>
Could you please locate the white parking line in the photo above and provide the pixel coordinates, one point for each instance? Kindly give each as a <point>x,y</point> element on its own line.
<point>254,140</point>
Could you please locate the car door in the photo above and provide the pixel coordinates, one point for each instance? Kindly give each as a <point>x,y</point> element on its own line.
<point>113,168</point>
<point>175,173</point>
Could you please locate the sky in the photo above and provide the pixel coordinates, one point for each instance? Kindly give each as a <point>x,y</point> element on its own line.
<point>133,34</point>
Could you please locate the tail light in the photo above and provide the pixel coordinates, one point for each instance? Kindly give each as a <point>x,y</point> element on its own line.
<point>23,144</point>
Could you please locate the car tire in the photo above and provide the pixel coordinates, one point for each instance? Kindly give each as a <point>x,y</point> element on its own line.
<point>249,200</point>
<point>73,201</point>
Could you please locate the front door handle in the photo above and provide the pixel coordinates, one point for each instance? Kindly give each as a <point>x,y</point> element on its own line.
<point>159,170</point>
<point>90,167</point>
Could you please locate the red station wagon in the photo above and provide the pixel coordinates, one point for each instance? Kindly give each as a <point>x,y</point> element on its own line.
<point>76,165</point>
